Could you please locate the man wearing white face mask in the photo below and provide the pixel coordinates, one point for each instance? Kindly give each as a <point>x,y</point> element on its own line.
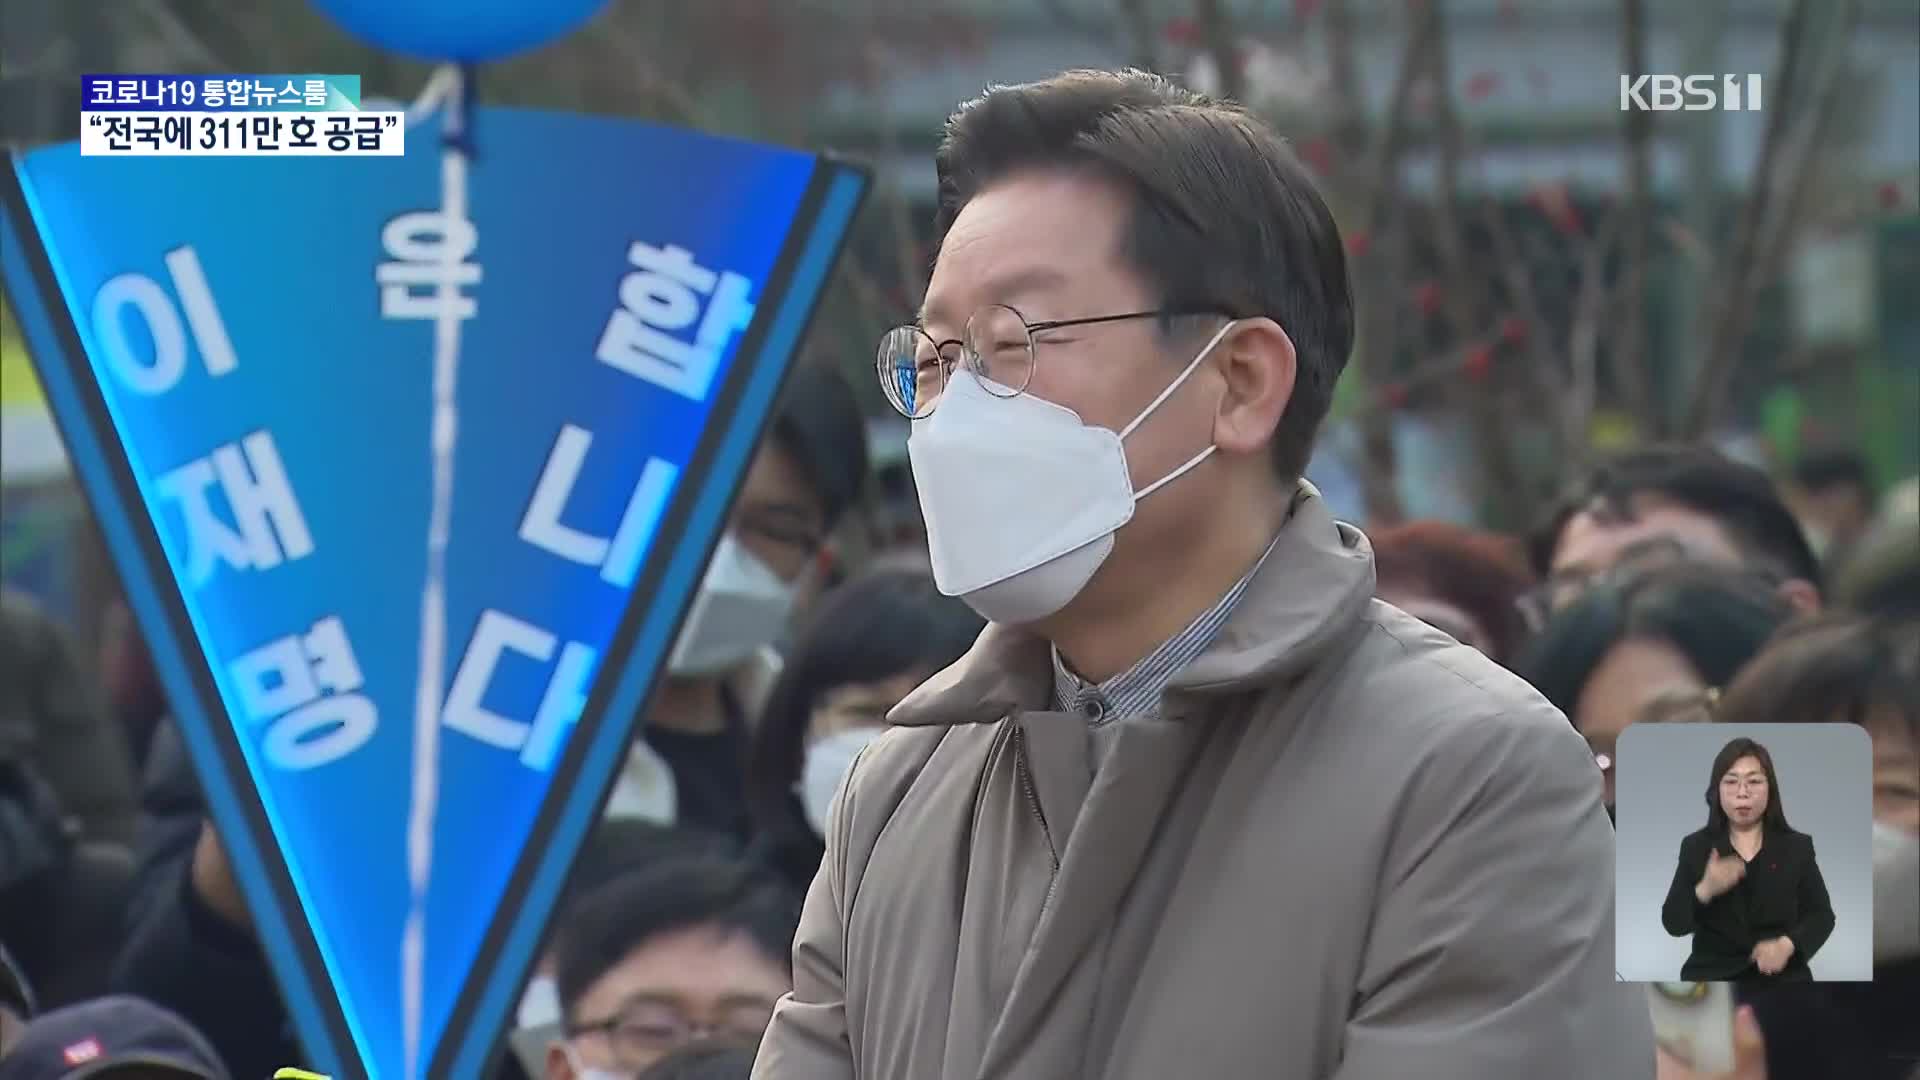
<point>688,767</point>
<point>1195,804</point>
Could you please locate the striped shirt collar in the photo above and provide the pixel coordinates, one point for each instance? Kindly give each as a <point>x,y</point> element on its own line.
<point>1136,691</point>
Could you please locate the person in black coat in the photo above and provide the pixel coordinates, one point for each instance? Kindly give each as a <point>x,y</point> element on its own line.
<point>1747,886</point>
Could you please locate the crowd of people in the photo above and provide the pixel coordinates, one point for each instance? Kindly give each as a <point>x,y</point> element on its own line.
<point>1356,845</point>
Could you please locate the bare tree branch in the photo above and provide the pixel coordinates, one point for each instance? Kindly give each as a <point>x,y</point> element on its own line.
<point>1630,344</point>
<point>1218,33</point>
<point>1144,44</point>
<point>1732,299</point>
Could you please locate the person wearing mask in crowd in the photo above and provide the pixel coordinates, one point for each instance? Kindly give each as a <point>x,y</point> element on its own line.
<point>1655,646</point>
<point>1832,495</point>
<point>111,1038</point>
<point>1665,503</point>
<point>1851,669</point>
<point>1721,885</point>
<point>1069,853</point>
<point>50,717</point>
<point>864,647</point>
<point>688,766</point>
<point>1465,582</point>
<point>685,949</point>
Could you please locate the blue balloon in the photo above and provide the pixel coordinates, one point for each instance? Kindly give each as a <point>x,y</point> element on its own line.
<point>466,30</point>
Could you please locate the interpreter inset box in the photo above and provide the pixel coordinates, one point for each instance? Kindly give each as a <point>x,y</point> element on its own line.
<point>1744,853</point>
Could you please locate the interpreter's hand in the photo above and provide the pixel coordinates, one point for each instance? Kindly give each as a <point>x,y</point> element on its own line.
<point>212,878</point>
<point>1772,956</point>
<point>1723,872</point>
<point>1749,1055</point>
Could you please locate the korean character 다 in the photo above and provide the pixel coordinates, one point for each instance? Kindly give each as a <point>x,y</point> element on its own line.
<point>660,302</point>
<point>304,689</point>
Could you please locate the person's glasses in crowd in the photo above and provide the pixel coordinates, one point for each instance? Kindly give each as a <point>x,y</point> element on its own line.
<point>645,1030</point>
<point>997,346</point>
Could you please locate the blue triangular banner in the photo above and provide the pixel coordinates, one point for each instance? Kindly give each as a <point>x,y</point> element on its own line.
<point>243,355</point>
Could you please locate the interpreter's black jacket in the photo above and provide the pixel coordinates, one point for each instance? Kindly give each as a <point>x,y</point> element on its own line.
<point>1782,894</point>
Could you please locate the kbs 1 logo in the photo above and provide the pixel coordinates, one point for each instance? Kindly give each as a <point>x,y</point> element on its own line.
<point>1690,93</point>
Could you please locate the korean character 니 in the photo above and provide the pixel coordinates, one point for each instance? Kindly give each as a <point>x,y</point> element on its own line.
<point>304,688</point>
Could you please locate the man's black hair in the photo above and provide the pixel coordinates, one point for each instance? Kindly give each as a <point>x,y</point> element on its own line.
<point>1224,215</point>
<point>725,894</point>
<point>1824,470</point>
<point>1739,498</point>
<point>819,423</point>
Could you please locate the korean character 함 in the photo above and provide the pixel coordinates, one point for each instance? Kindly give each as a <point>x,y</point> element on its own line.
<point>146,130</point>
<point>302,129</point>
<point>266,132</point>
<point>339,133</point>
<point>368,137</point>
<point>126,91</point>
<point>264,93</point>
<point>305,689</point>
<point>213,93</point>
<point>290,95</point>
<point>271,526</point>
<point>316,93</point>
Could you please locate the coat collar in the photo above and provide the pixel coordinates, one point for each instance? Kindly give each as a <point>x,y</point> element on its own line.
<point>1312,588</point>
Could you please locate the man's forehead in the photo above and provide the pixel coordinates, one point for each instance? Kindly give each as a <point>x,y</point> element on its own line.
<point>1595,537</point>
<point>1021,240</point>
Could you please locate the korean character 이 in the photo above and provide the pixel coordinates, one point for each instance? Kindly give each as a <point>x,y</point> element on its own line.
<point>304,690</point>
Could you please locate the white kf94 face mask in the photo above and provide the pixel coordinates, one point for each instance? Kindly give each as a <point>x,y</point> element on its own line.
<point>741,606</point>
<point>1021,497</point>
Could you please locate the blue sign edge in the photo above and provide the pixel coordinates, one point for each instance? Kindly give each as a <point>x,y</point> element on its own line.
<point>476,1027</point>
<point>473,1034</point>
<point>114,495</point>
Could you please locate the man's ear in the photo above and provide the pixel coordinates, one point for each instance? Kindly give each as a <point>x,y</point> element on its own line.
<point>1802,595</point>
<point>1258,364</point>
<point>558,1067</point>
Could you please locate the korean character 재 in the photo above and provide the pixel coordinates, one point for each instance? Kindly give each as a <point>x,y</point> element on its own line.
<point>305,691</point>
<point>301,129</point>
<point>146,130</point>
<point>213,93</point>
<point>290,95</point>
<point>266,132</point>
<point>316,93</point>
<point>269,527</point>
<point>660,302</point>
<point>339,133</point>
<point>368,132</point>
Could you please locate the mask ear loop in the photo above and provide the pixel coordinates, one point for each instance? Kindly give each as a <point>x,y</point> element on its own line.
<point>1196,459</point>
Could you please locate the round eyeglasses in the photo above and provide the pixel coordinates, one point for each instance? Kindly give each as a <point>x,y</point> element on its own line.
<point>996,346</point>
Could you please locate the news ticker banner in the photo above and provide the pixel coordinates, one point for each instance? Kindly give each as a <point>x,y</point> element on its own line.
<point>242,356</point>
<point>233,116</point>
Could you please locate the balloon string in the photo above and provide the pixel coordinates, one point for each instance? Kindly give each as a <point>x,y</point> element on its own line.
<point>431,682</point>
